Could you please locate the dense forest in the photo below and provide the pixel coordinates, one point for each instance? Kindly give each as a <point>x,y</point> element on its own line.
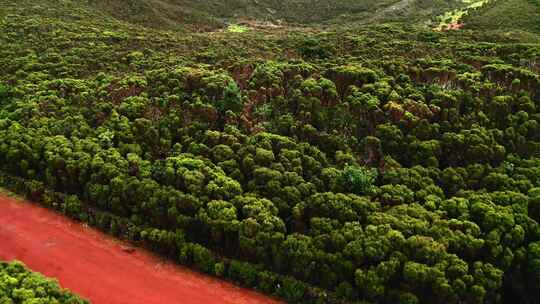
<point>18,285</point>
<point>380,163</point>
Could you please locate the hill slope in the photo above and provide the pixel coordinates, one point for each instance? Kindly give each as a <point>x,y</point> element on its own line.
<point>205,15</point>
<point>505,16</point>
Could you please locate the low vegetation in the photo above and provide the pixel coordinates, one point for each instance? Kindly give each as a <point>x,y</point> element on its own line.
<point>511,15</point>
<point>454,17</point>
<point>235,28</point>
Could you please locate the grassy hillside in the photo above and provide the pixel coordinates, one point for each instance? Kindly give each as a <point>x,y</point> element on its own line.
<point>203,16</point>
<point>506,16</point>
<point>210,14</point>
<point>206,15</point>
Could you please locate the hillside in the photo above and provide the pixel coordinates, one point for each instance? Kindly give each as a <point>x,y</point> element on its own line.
<point>206,15</point>
<point>338,159</point>
<point>505,16</point>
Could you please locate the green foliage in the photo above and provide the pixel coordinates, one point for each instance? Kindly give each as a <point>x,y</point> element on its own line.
<point>513,15</point>
<point>313,48</point>
<point>19,285</point>
<point>235,28</point>
<point>534,203</point>
<point>358,180</point>
<point>232,99</point>
<point>292,290</point>
<point>5,93</point>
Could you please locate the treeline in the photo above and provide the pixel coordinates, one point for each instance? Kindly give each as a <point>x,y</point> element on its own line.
<point>18,285</point>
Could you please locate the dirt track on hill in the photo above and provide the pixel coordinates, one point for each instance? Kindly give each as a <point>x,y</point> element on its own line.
<point>99,268</point>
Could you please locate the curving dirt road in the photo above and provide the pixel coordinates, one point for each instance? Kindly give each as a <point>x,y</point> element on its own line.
<point>98,268</point>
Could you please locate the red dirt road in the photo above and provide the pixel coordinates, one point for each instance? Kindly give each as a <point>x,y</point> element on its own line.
<point>96,267</point>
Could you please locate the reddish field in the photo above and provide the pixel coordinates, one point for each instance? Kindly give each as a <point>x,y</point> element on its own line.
<point>98,268</point>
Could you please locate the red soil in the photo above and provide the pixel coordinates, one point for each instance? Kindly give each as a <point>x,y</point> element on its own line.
<point>454,26</point>
<point>100,268</point>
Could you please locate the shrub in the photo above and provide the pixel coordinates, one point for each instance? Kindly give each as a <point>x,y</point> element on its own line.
<point>20,285</point>
<point>5,93</point>
<point>292,290</point>
<point>312,48</point>
<point>244,273</point>
<point>232,99</point>
<point>358,180</point>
